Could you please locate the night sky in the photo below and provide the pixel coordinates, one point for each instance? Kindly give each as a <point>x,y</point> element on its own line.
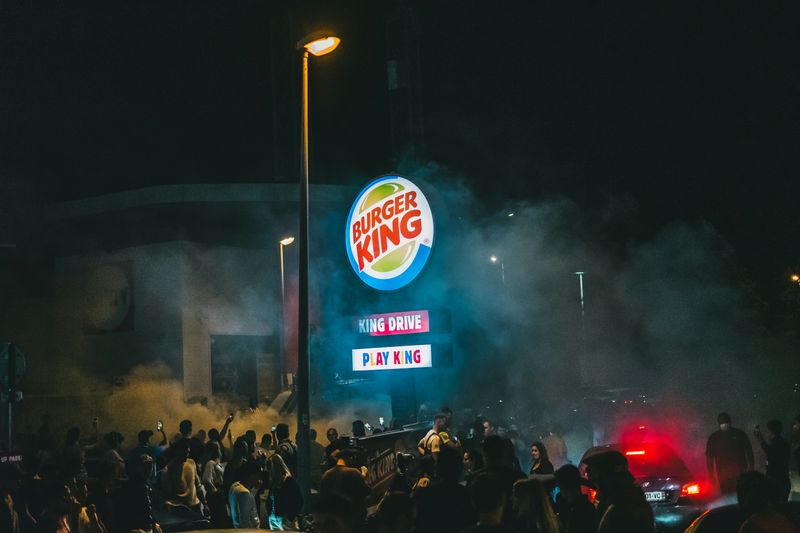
<point>679,111</point>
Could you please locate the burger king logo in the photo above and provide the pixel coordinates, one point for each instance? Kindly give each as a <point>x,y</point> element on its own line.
<point>389,233</point>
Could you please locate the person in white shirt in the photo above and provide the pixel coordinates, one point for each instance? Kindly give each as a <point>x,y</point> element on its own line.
<point>241,497</point>
<point>212,470</point>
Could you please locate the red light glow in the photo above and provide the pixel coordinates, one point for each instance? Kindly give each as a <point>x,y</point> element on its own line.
<point>635,452</point>
<point>691,489</point>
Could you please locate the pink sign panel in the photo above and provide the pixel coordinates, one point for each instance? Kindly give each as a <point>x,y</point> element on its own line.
<point>401,323</point>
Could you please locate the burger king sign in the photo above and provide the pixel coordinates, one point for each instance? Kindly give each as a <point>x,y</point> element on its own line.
<point>389,233</point>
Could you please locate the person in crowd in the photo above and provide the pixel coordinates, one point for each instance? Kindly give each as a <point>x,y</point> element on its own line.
<point>144,448</point>
<point>495,456</point>
<point>286,448</point>
<point>490,501</point>
<point>778,453</point>
<point>332,448</point>
<point>180,483</point>
<point>348,481</point>
<point>452,439</point>
<point>359,429</point>
<point>622,506</point>
<point>285,496</point>
<point>100,493</point>
<point>241,497</point>
<point>532,508</point>
<point>426,472</point>
<point>761,501</point>
<point>540,460</point>
<point>195,446</point>
<point>201,436</point>
<point>219,436</point>
<point>72,456</point>
<point>318,459</point>
<point>728,455</point>
<point>214,484</point>
<point>113,453</point>
<point>431,443</point>
<point>239,457</point>
<point>333,513</point>
<point>488,429</point>
<point>577,514</point>
<point>266,443</point>
<point>395,513</point>
<point>251,437</point>
<point>445,506</point>
<point>133,504</point>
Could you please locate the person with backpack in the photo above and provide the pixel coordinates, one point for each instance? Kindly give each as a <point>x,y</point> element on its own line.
<point>286,448</point>
<point>431,443</point>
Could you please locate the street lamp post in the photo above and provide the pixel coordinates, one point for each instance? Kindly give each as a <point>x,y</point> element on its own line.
<point>283,242</point>
<point>316,44</point>
<point>583,367</point>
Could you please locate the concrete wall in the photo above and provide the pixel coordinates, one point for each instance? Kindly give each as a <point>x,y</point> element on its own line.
<point>228,291</point>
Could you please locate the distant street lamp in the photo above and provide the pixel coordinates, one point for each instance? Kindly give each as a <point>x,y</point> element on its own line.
<point>795,278</point>
<point>583,366</point>
<point>283,242</point>
<point>494,259</point>
<point>316,44</point>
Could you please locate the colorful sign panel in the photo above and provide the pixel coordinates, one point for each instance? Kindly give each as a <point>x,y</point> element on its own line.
<point>401,323</point>
<point>392,358</point>
<point>389,233</point>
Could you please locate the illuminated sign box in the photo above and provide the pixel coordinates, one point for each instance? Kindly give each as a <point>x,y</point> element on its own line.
<point>400,323</point>
<point>392,358</point>
<point>389,233</point>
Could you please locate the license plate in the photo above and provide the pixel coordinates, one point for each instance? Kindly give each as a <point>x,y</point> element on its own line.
<point>656,496</point>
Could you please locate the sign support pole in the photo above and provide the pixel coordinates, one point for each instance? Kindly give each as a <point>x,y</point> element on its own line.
<point>12,375</point>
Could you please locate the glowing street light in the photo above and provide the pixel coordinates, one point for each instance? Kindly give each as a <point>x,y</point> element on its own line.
<point>321,45</point>
<point>494,259</point>
<point>286,241</point>
<point>795,278</point>
<point>316,44</point>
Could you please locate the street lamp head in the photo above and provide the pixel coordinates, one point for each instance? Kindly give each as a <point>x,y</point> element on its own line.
<point>493,259</point>
<point>287,241</point>
<point>795,278</point>
<point>318,43</point>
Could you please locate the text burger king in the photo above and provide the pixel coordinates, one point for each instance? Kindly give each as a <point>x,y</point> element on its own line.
<point>389,233</point>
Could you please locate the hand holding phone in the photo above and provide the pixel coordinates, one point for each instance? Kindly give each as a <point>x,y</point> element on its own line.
<point>160,426</point>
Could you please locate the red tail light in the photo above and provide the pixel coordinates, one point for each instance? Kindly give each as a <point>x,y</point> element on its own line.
<point>690,489</point>
<point>635,452</point>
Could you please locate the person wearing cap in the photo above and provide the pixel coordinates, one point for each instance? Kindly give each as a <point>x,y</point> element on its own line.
<point>432,442</point>
<point>622,506</point>
<point>728,455</point>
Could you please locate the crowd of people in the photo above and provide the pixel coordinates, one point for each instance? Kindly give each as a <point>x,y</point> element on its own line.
<point>452,482</point>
